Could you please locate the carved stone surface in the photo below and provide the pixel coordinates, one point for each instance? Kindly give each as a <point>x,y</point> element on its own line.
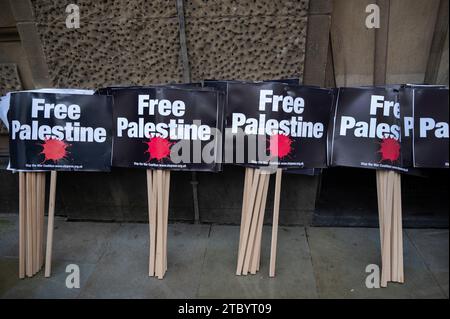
<point>137,42</point>
<point>244,39</point>
<point>235,8</point>
<point>51,10</point>
<point>9,78</point>
<point>246,48</point>
<point>118,42</point>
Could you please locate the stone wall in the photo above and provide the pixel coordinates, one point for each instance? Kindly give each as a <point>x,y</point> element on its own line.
<point>9,81</point>
<point>247,40</point>
<point>118,42</point>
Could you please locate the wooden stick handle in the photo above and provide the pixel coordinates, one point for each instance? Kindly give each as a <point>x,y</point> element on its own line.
<point>394,232</point>
<point>276,211</point>
<point>380,198</point>
<point>42,225</point>
<point>398,216</point>
<point>151,200</point>
<point>50,223</point>
<point>34,222</point>
<point>247,184</point>
<point>38,219</point>
<point>247,222</point>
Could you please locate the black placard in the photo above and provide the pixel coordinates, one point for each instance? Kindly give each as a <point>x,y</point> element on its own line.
<point>430,110</point>
<point>167,128</point>
<point>275,123</point>
<point>62,132</point>
<point>366,130</point>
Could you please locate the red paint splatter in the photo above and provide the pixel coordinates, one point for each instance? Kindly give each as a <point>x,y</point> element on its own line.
<point>158,148</point>
<point>389,149</point>
<point>54,149</point>
<point>280,145</point>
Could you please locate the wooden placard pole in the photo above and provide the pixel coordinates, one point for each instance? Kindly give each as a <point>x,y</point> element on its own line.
<point>394,242</point>
<point>31,219</point>
<point>249,249</point>
<point>42,219</point>
<point>166,214</point>
<point>33,222</point>
<point>380,198</point>
<point>247,185</point>
<point>38,219</point>
<point>398,212</point>
<point>257,253</point>
<point>50,224</point>
<point>159,226</point>
<point>254,200</point>
<point>276,211</point>
<point>29,259</point>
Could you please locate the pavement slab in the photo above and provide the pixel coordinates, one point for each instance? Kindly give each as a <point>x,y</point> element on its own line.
<point>311,263</point>
<point>432,246</point>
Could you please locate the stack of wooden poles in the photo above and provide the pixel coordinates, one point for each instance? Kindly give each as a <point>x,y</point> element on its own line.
<point>158,187</point>
<point>256,185</point>
<point>32,239</point>
<point>31,222</point>
<point>390,218</point>
<point>50,224</point>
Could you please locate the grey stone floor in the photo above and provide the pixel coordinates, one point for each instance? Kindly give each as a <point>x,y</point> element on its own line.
<point>312,263</point>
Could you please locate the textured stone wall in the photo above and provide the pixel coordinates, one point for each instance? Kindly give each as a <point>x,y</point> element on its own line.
<point>9,81</point>
<point>9,78</point>
<point>137,42</point>
<point>247,40</point>
<point>118,42</point>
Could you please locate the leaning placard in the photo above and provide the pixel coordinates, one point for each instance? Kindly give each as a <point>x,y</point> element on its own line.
<point>366,130</point>
<point>52,132</point>
<point>281,124</point>
<point>59,132</point>
<point>430,111</point>
<point>367,133</point>
<point>167,128</point>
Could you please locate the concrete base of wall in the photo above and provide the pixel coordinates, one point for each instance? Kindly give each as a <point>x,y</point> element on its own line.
<point>346,197</point>
<point>121,195</point>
